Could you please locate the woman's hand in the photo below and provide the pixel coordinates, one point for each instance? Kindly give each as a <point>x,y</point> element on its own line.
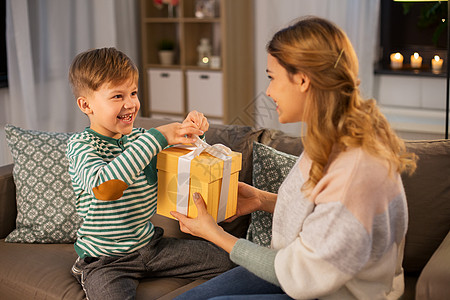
<point>201,226</point>
<point>251,199</point>
<point>198,119</point>
<point>205,226</point>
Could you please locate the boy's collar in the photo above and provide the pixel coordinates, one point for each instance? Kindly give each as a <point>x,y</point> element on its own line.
<point>106,138</point>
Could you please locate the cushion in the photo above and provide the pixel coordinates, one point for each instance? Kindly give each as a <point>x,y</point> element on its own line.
<point>428,195</point>
<point>45,199</point>
<point>270,167</point>
<point>281,141</point>
<point>238,138</point>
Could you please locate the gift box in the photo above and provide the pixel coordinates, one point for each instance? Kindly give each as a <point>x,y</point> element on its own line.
<point>204,174</point>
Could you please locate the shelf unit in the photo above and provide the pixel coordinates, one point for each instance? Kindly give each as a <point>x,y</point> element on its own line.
<point>227,92</point>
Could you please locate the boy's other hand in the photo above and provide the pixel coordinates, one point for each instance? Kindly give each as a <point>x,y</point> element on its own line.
<point>198,119</point>
<point>176,133</point>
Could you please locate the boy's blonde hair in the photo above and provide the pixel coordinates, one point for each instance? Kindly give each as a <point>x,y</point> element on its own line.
<point>336,113</point>
<point>91,69</point>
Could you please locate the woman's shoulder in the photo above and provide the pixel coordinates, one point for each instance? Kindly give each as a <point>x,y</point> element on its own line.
<point>357,172</point>
<point>356,160</point>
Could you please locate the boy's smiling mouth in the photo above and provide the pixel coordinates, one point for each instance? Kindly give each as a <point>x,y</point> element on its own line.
<point>127,117</point>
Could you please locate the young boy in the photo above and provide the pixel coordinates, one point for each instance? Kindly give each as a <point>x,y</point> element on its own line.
<point>113,171</point>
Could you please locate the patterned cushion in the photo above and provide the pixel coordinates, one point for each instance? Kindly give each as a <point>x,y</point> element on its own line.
<point>45,198</point>
<point>270,167</point>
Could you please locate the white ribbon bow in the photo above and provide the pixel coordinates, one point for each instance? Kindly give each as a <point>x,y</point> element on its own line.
<point>184,167</point>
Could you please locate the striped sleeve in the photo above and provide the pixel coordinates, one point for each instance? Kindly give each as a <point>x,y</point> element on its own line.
<point>107,179</point>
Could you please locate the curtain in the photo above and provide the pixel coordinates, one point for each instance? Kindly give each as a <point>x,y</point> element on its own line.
<point>358,18</point>
<point>43,36</point>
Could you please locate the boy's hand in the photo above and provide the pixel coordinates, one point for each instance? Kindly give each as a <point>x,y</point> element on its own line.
<point>198,119</point>
<point>176,133</point>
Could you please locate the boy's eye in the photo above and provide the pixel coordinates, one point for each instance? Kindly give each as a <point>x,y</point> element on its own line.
<point>134,93</point>
<point>117,96</point>
<point>270,77</point>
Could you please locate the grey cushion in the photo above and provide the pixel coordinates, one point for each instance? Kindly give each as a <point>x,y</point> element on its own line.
<point>270,167</point>
<point>45,199</point>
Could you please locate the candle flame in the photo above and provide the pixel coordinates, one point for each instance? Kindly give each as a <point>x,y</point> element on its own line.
<point>416,55</point>
<point>437,58</point>
<point>397,55</point>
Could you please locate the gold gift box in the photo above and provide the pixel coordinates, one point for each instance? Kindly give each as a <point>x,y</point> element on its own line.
<point>206,174</point>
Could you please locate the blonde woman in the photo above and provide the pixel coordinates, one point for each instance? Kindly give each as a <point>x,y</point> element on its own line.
<point>340,217</point>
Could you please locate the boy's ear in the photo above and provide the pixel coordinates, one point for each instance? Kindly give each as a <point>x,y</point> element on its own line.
<point>84,106</point>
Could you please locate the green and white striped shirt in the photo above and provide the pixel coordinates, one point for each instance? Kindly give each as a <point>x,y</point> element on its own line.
<point>115,184</point>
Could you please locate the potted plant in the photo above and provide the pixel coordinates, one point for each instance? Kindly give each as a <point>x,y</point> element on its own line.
<point>166,51</point>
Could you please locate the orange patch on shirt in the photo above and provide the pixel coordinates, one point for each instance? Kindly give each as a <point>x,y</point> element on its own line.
<point>110,190</point>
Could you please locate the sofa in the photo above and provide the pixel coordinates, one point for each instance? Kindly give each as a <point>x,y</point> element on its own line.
<point>42,270</point>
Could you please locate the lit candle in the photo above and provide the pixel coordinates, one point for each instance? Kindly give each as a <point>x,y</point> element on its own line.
<point>416,61</point>
<point>436,63</point>
<point>396,60</point>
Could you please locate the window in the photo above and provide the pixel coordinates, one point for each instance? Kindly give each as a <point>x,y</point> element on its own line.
<point>413,27</point>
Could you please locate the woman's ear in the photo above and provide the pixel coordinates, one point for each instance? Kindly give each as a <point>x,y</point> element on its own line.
<point>303,81</point>
<point>84,106</point>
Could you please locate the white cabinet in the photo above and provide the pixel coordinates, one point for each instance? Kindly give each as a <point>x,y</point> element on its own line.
<point>204,90</point>
<point>166,88</point>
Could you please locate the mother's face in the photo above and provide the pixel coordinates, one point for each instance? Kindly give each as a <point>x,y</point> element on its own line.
<point>288,93</point>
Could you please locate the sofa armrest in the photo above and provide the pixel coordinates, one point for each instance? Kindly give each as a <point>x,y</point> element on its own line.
<point>8,210</point>
<point>435,277</point>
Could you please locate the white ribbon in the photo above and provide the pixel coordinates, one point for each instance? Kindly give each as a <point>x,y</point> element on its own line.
<point>184,169</point>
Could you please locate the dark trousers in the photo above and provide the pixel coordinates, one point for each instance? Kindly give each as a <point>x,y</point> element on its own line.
<point>117,277</point>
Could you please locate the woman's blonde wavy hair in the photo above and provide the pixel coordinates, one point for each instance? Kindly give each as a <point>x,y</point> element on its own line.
<point>335,114</point>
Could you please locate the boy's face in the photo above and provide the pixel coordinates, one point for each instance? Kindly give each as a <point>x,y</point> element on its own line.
<point>112,109</point>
